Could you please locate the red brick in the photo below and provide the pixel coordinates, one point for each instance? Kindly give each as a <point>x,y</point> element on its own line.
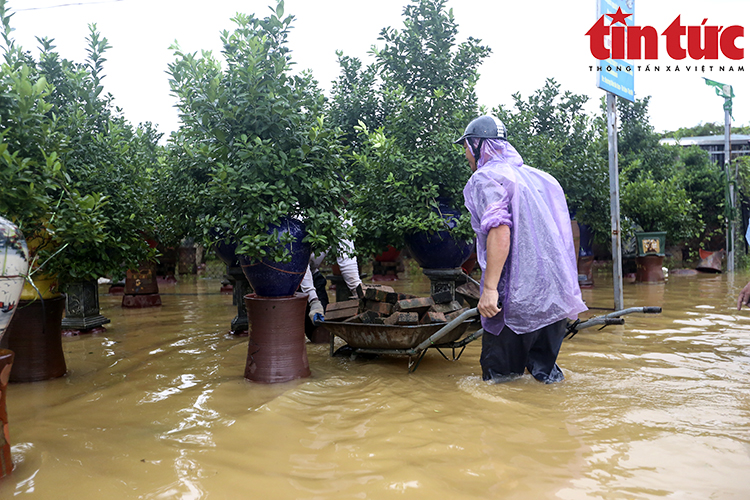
<point>340,314</point>
<point>382,308</point>
<point>419,305</point>
<point>446,308</point>
<point>380,295</point>
<point>346,304</point>
<point>455,314</point>
<point>407,318</point>
<point>432,317</point>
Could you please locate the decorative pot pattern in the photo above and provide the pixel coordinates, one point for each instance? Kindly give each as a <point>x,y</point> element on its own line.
<point>14,264</point>
<point>439,250</point>
<point>279,279</point>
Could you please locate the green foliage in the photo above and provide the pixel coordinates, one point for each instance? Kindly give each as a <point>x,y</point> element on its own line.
<point>418,97</point>
<point>705,184</point>
<point>551,132</point>
<point>254,145</point>
<point>74,175</point>
<point>703,129</point>
<point>662,188</point>
<point>659,205</point>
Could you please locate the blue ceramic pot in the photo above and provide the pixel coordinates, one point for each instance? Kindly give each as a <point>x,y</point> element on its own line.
<point>439,250</point>
<point>223,250</point>
<point>279,279</point>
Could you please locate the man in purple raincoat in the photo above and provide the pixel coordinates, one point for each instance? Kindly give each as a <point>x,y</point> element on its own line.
<point>526,253</point>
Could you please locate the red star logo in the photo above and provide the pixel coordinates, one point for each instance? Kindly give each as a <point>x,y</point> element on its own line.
<point>619,17</point>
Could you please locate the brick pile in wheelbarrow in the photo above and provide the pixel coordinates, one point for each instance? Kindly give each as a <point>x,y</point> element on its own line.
<point>382,306</point>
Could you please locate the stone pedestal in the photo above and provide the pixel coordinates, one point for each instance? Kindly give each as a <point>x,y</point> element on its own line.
<point>141,288</point>
<point>82,309</point>
<point>443,280</point>
<point>240,288</point>
<point>187,260</point>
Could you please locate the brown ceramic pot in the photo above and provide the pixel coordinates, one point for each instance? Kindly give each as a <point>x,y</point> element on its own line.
<point>276,350</point>
<point>649,269</point>
<point>34,335</point>
<point>6,463</point>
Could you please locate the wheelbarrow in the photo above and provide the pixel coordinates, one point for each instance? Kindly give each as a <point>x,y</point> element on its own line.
<point>414,341</point>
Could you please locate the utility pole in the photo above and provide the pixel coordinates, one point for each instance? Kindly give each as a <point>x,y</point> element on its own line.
<point>614,200</point>
<point>730,179</point>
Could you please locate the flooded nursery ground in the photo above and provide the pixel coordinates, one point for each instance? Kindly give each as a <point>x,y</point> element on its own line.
<point>157,407</point>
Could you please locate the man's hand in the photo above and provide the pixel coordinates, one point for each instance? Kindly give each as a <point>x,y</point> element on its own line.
<point>488,303</point>
<point>316,314</point>
<point>744,297</point>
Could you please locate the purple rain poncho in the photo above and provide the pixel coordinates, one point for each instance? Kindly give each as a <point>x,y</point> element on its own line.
<point>539,282</point>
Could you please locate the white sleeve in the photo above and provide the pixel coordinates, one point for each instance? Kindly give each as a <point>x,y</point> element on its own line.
<point>349,270</point>
<point>308,287</point>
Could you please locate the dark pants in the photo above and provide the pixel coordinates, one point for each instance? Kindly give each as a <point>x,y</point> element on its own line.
<point>508,354</point>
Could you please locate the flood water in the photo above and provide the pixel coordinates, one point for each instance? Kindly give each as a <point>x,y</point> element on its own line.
<point>157,408</point>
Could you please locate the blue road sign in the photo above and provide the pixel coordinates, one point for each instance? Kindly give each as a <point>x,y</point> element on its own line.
<point>616,75</point>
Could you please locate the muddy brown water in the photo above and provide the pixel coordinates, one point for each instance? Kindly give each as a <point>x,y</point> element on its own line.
<point>157,408</point>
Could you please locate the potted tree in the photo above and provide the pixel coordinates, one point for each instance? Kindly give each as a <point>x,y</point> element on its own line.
<point>664,211</point>
<point>409,174</point>
<point>272,169</point>
<point>60,146</point>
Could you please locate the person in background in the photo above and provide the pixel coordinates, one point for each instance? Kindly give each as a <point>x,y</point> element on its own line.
<point>529,286</point>
<point>314,283</point>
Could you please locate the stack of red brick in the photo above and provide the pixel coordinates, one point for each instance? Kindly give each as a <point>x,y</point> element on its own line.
<point>383,306</point>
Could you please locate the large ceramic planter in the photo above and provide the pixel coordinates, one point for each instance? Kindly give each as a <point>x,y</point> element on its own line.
<point>439,250</point>
<point>279,279</point>
<point>14,264</point>
<point>224,250</point>
<point>276,349</point>
<point>34,335</point>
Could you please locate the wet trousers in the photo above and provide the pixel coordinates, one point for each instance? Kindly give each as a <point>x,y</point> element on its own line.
<point>508,354</point>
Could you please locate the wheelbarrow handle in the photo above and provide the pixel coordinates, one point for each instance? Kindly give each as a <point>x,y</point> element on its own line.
<point>444,330</point>
<point>614,318</point>
<point>652,310</point>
